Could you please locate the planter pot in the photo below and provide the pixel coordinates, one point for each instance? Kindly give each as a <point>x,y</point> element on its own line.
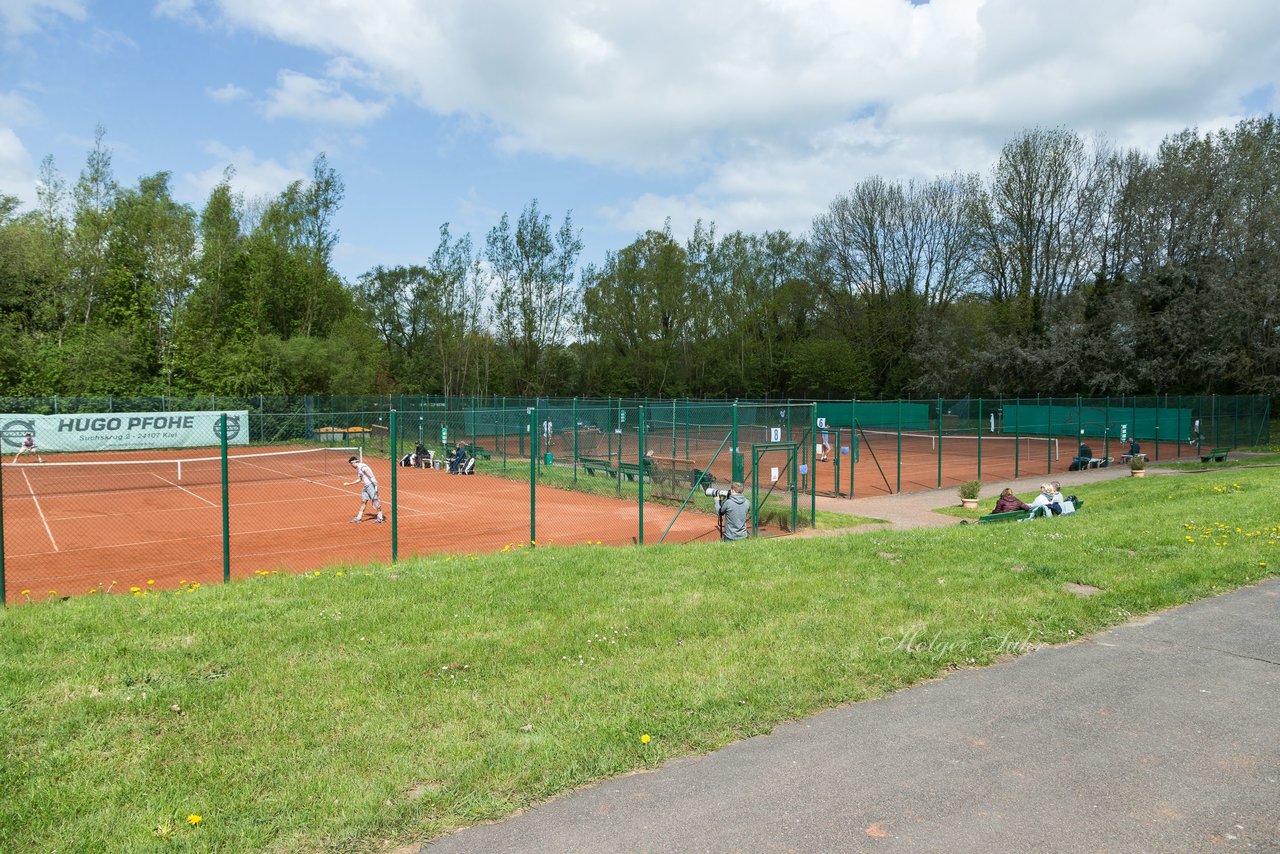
<point>969,503</point>
<point>1138,472</point>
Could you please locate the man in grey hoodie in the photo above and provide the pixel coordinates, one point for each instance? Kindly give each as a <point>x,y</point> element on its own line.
<point>734,509</point>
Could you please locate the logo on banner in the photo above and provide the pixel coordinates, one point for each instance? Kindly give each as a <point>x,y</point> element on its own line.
<point>13,432</point>
<point>233,427</point>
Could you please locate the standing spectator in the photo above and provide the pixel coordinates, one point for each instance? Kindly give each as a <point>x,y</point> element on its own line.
<point>733,509</point>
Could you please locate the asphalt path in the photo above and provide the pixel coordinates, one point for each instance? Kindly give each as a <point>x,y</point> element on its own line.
<point>1160,735</point>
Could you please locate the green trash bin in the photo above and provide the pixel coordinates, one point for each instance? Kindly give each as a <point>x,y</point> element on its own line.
<point>547,458</point>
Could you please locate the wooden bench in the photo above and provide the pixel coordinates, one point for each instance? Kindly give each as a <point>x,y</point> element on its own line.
<point>1217,455</point>
<point>479,452</point>
<point>1019,515</point>
<point>594,464</point>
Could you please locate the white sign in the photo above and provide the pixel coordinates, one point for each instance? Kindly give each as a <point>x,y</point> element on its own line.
<point>122,431</point>
<point>775,434</point>
<point>822,423</point>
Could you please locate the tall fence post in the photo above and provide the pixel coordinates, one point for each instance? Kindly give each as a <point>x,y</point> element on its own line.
<point>939,443</point>
<point>640,468</point>
<point>736,468</point>
<point>853,442</point>
<point>226,504</point>
<point>3,602</point>
<point>533,476</point>
<point>395,498</point>
<point>899,489</point>
<point>1017,436</point>
<point>813,478</point>
<point>979,431</point>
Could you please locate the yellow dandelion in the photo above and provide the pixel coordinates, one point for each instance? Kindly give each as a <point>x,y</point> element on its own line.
<point>644,739</point>
<point>339,574</point>
<point>150,581</point>
<point>135,589</point>
<point>26,592</point>
<point>194,819</point>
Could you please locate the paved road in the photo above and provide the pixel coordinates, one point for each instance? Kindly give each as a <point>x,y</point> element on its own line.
<point>1159,735</point>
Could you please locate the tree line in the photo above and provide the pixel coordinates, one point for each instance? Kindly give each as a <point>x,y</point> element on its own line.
<point>1072,267</point>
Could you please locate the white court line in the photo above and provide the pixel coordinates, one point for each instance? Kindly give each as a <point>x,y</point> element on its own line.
<point>32,490</point>
<point>184,489</point>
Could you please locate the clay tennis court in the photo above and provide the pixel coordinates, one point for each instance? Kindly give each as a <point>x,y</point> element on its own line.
<point>884,466</point>
<point>76,528</point>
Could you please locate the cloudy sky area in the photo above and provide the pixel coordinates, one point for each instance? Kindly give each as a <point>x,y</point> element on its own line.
<point>751,113</point>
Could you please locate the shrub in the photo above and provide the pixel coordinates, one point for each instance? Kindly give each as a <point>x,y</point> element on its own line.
<point>970,489</point>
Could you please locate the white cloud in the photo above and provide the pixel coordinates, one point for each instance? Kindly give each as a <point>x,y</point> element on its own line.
<point>16,108</point>
<point>21,17</point>
<point>776,105</point>
<point>253,178</point>
<point>298,96</point>
<point>226,94</point>
<point>17,178</point>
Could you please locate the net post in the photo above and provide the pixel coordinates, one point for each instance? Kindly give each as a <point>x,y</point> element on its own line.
<point>226,504</point>
<point>395,464</point>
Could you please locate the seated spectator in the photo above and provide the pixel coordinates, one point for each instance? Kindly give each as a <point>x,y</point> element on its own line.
<point>1058,503</point>
<point>1134,448</point>
<point>421,456</point>
<point>1008,502</point>
<point>1043,501</point>
<point>458,459</point>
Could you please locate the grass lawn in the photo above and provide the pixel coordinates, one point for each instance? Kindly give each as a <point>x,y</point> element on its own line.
<point>363,707</point>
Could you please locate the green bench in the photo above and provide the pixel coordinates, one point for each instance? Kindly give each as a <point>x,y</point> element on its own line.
<point>631,471</point>
<point>1019,515</point>
<point>591,465</point>
<point>1217,455</point>
<point>478,452</point>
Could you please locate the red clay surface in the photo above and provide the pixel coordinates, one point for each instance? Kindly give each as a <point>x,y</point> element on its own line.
<point>118,532</point>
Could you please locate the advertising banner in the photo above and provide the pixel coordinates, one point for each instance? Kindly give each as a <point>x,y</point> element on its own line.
<point>121,431</point>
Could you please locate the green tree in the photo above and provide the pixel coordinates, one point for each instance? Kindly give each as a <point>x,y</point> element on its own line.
<point>534,269</point>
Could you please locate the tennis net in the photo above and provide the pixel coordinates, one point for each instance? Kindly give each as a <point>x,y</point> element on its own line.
<point>964,445</point>
<point>97,476</point>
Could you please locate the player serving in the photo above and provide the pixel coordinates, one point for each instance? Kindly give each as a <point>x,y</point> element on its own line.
<point>369,492</point>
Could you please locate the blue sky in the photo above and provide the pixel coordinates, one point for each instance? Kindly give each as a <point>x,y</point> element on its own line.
<point>754,114</point>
